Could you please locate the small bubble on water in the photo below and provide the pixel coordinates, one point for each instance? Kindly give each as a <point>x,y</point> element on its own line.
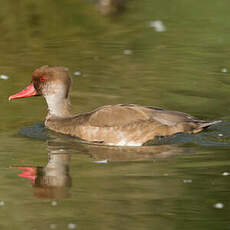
<point>158,25</point>
<point>220,135</point>
<point>54,203</point>
<point>224,70</point>
<point>4,77</point>
<point>128,52</point>
<point>72,226</point>
<point>2,203</point>
<point>187,181</point>
<point>219,205</point>
<point>225,174</point>
<point>77,73</point>
<point>53,226</point>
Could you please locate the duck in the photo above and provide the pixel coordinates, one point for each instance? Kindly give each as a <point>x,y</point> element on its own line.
<point>117,125</point>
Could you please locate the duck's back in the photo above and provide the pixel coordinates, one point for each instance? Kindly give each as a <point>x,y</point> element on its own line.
<point>124,114</point>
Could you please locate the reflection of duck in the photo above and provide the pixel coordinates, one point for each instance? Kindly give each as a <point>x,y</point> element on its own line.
<point>101,153</point>
<point>130,124</point>
<point>53,180</point>
<point>110,7</point>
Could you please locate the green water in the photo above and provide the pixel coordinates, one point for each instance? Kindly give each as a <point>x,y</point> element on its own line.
<point>121,59</point>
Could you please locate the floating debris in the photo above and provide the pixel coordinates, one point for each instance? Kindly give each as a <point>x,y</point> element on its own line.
<point>53,226</point>
<point>158,25</point>
<point>101,162</point>
<point>224,70</point>
<point>225,174</point>
<point>187,181</point>
<point>72,226</point>
<point>219,205</point>
<point>166,174</point>
<point>2,203</point>
<point>77,73</point>
<point>4,77</point>
<point>54,203</point>
<point>128,52</point>
<point>220,135</point>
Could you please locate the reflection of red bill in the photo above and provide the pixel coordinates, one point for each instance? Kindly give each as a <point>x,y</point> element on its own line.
<point>28,172</point>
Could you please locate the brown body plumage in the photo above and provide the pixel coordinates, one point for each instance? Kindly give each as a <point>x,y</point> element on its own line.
<point>131,125</point>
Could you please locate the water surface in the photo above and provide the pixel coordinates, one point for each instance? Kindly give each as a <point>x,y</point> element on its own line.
<point>51,181</point>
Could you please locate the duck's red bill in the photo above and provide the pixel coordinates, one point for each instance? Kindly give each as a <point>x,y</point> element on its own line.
<point>29,91</point>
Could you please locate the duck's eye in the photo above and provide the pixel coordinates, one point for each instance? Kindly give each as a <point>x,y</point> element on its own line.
<point>43,79</point>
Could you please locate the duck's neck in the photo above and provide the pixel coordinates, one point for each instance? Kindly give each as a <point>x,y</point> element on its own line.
<point>57,106</point>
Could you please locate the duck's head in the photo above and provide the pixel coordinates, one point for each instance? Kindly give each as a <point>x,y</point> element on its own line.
<point>49,81</point>
<point>52,82</point>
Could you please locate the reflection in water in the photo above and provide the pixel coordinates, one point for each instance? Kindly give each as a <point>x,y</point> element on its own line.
<point>52,180</point>
<point>110,7</point>
<point>143,153</point>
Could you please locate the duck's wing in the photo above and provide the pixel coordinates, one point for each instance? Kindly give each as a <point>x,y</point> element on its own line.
<point>122,115</point>
<point>119,115</point>
<point>125,115</point>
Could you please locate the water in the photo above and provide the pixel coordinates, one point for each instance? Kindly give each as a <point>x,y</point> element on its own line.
<point>172,54</point>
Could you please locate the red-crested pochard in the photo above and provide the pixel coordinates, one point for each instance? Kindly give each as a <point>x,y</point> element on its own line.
<point>122,125</point>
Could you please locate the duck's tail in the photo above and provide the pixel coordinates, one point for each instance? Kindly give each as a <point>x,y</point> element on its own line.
<point>206,124</point>
<point>199,125</point>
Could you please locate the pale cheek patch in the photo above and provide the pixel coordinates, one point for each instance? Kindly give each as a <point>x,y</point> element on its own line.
<point>54,88</point>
